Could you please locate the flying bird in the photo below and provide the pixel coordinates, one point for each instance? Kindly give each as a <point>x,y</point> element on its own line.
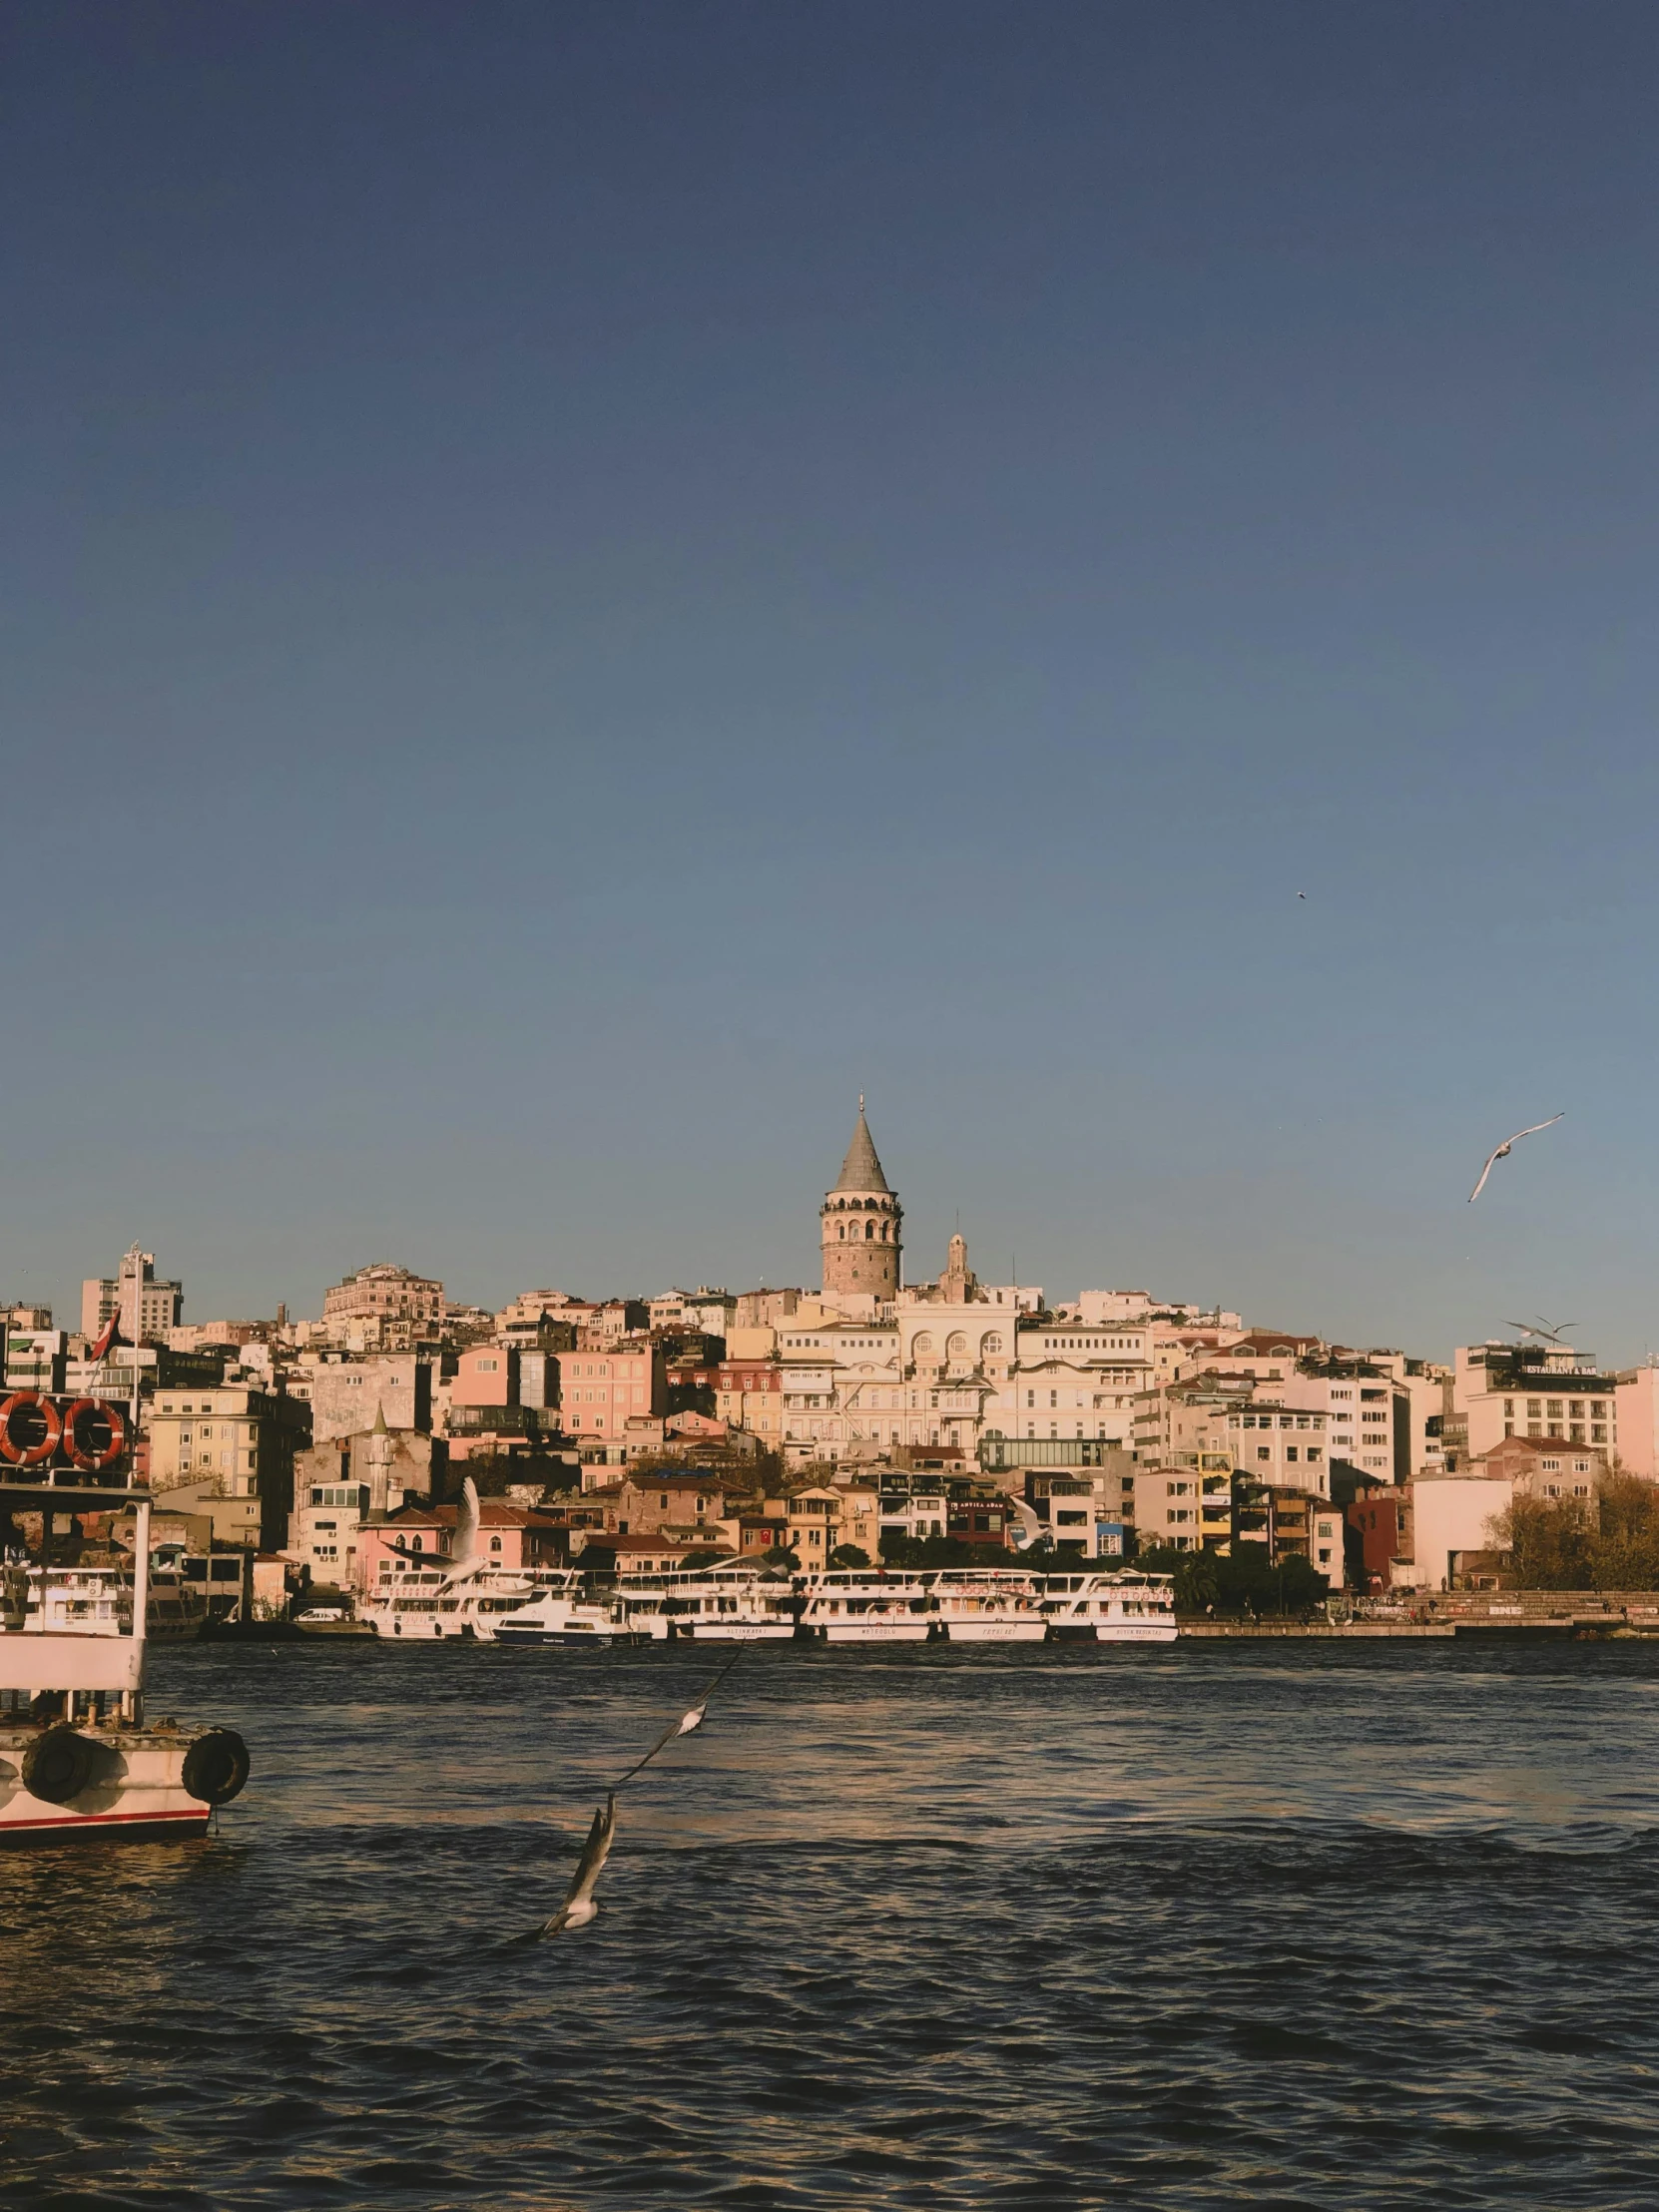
<point>578,1907</point>
<point>1503,1150</point>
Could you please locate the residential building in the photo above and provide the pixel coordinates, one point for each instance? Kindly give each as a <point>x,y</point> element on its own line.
<point>616,1318</point>
<point>1636,1420</point>
<point>748,1394</point>
<point>1168,1509</point>
<point>36,1359</point>
<point>229,1443</point>
<point>344,1394</point>
<point>339,1484</point>
<point>147,1307</point>
<point>383,1307</point>
<point>1086,1511</point>
<point>1547,1391</point>
<point>761,1308</point>
<point>1382,1520</point>
<point>1450,1514</point>
<point>509,1535</point>
<point>602,1388</point>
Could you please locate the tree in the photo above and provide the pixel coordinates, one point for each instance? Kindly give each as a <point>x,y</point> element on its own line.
<point>849,1555</point>
<point>1609,1542</point>
<point>912,1552</point>
<point>782,1556</point>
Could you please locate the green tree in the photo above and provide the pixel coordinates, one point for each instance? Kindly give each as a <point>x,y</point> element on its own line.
<point>849,1555</point>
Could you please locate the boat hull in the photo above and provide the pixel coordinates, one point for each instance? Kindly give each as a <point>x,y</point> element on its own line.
<point>874,1632</point>
<point>136,1794</point>
<point>995,1631</point>
<point>734,1632</point>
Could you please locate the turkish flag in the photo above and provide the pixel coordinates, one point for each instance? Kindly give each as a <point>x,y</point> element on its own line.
<point>110,1337</point>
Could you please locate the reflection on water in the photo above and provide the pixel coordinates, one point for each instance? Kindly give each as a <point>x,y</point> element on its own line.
<point>1204,1926</point>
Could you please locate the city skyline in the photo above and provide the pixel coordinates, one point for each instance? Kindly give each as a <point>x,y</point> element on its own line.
<point>586,584</point>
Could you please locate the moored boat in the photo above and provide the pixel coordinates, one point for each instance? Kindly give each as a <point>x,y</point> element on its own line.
<point>734,1604</point>
<point>1121,1608</point>
<point>865,1606</point>
<point>984,1605</point>
<point>77,1759</point>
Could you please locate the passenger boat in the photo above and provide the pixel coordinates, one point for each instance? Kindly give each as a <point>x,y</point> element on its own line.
<point>428,1602</point>
<point>77,1758</point>
<point>864,1606</point>
<point>563,1617</point>
<point>86,1601</point>
<point>734,1604</point>
<point>1120,1608</point>
<point>984,1605</point>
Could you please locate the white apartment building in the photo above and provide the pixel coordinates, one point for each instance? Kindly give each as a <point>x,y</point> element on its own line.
<point>1547,1393</point>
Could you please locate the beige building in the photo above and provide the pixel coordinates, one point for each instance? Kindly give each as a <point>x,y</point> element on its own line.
<point>148,1308</point>
<point>229,1443</point>
<point>346,1394</point>
<point>383,1307</point>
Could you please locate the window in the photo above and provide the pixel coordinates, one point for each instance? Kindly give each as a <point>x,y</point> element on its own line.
<point>1264,1451</point>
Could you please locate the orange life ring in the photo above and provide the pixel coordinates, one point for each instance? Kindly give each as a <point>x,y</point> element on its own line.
<point>84,1457</point>
<point>28,1456</point>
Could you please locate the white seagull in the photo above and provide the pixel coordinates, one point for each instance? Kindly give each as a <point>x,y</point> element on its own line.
<point>578,1907</point>
<point>1503,1152</point>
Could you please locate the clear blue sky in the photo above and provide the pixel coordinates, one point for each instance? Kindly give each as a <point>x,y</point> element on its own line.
<point>584,582</point>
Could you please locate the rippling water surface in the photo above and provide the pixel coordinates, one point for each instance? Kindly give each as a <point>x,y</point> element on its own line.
<point>1215,1925</point>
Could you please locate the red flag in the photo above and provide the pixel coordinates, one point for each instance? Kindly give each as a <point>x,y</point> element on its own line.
<point>110,1337</point>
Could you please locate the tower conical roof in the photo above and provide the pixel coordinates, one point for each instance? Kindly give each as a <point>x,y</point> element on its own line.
<point>861,1170</point>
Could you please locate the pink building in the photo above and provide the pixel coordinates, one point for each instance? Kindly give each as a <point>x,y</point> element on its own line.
<point>602,1389</point>
<point>509,1535</point>
<point>486,1375</point>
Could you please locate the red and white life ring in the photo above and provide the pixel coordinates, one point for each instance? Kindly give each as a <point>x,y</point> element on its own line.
<point>11,1447</point>
<point>87,1457</point>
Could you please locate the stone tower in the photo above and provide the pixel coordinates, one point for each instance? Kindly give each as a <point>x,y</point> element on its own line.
<point>860,1224</point>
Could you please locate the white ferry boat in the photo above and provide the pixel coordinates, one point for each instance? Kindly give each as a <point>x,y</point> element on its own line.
<point>563,1617</point>
<point>984,1605</point>
<point>97,1601</point>
<point>860,1605</point>
<point>77,1759</point>
<point>424,1602</point>
<point>1120,1608</point>
<point>734,1604</point>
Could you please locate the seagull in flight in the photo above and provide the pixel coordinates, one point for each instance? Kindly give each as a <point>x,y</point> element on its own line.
<point>1503,1150</point>
<point>578,1907</point>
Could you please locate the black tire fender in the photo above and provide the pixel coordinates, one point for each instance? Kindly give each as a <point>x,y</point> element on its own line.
<point>58,1765</point>
<point>215,1766</point>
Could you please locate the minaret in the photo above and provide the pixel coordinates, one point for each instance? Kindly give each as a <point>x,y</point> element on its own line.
<point>860,1224</point>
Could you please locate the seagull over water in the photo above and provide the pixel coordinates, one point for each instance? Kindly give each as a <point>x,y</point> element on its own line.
<point>1503,1152</point>
<point>579,1907</point>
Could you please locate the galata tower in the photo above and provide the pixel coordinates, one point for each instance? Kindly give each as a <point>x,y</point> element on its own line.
<point>860,1222</point>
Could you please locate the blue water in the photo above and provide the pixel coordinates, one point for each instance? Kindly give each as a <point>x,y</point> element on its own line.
<point>1217,1924</point>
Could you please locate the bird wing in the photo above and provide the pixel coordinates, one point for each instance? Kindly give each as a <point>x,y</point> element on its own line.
<point>1491,1159</point>
<point>1536,1126</point>
<point>1501,1149</point>
<point>466,1530</point>
<point>595,1851</point>
<point>692,1718</point>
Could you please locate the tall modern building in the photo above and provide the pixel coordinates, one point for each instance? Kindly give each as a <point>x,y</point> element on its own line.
<point>859,1222</point>
<point>148,1309</point>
